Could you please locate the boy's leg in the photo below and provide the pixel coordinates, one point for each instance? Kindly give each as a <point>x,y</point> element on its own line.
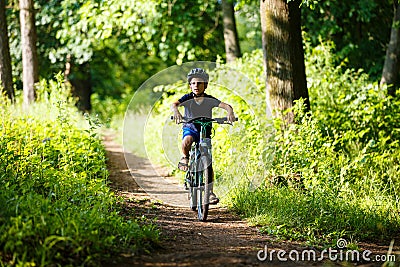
<point>187,142</point>
<point>186,145</point>
<point>189,136</point>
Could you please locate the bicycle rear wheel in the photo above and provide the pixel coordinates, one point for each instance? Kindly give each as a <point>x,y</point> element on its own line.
<point>203,195</point>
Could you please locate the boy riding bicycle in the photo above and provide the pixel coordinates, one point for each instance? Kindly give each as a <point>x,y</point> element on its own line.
<point>197,104</point>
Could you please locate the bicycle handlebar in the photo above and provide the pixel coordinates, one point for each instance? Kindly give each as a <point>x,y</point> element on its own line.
<point>223,120</point>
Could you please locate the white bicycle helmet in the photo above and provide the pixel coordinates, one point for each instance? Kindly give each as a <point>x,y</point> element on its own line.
<point>197,73</point>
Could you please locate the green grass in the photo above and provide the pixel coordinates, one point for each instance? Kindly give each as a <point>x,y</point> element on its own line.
<point>316,217</point>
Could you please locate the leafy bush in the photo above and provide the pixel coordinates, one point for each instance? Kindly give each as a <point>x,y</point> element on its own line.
<point>57,206</point>
<point>334,173</point>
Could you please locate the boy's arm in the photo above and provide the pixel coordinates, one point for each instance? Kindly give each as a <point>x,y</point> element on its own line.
<point>177,115</point>
<point>231,115</point>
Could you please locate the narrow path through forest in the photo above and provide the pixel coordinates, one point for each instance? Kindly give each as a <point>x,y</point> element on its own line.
<point>224,240</point>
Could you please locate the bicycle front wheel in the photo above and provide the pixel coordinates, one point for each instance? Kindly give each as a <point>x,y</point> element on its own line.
<point>192,192</point>
<point>203,195</point>
<point>193,198</point>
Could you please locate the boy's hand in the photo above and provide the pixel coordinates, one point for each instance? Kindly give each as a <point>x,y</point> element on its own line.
<point>178,117</point>
<point>231,117</point>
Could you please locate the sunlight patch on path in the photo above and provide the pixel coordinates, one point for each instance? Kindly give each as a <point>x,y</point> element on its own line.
<point>158,186</point>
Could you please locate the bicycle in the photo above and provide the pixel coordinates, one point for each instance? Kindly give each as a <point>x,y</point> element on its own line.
<point>199,174</point>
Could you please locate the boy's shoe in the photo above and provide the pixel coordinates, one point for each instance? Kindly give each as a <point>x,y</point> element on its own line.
<point>188,181</point>
<point>213,200</point>
<point>183,164</point>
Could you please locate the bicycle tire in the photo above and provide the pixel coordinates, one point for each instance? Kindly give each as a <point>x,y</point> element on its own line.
<point>203,196</point>
<point>193,198</point>
<point>191,193</point>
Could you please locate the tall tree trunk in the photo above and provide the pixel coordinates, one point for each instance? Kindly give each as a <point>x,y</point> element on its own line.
<point>232,48</point>
<point>5,58</point>
<point>283,55</point>
<point>29,54</point>
<point>297,54</point>
<point>391,66</point>
<point>79,77</point>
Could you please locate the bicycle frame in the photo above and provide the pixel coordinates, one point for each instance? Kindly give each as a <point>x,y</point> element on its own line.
<point>199,174</point>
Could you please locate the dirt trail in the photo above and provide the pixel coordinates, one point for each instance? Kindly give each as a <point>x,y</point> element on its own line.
<point>224,240</point>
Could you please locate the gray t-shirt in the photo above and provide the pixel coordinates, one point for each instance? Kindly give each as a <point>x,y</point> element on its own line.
<point>195,109</point>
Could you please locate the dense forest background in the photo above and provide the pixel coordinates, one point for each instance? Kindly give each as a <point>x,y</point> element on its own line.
<point>109,48</point>
<point>325,166</point>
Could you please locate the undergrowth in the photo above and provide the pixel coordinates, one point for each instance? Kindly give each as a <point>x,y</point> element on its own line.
<point>57,208</point>
<point>335,172</point>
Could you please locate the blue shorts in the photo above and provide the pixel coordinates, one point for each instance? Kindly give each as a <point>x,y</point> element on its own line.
<point>191,132</point>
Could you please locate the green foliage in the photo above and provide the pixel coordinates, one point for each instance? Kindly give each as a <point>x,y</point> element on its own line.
<point>334,173</point>
<point>57,206</point>
<point>188,31</point>
<point>87,24</point>
<point>249,27</point>
<point>126,42</point>
<point>360,31</point>
<point>361,109</point>
<point>121,43</point>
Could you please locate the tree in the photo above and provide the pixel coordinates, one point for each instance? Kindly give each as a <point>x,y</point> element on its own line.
<point>5,59</point>
<point>80,79</point>
<point>283,54</point>
<point>232,48</point>
<point>29,54</point>
<point>391,66</point>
